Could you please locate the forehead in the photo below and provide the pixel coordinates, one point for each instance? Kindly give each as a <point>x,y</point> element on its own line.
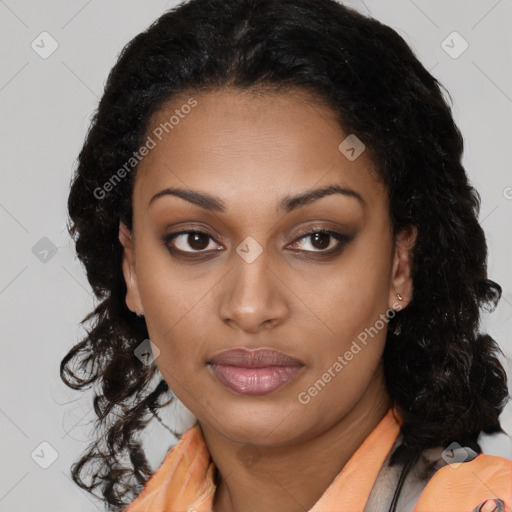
<point>254,146</point>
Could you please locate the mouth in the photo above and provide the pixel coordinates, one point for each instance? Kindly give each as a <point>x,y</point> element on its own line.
<point>254,372</point>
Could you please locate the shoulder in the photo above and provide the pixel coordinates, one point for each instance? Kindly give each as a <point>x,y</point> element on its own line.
<point>466,486</point>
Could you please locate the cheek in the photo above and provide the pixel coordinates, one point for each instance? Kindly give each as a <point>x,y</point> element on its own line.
<point>168,304</point>
<point>352,306</point>
<point>339,386</point>
<point>165,294</point>
<point>368,278</point>
<point>346,359</point>
<point>352,294</point>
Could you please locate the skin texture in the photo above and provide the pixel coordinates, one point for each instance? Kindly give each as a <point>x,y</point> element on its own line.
<point>252,151</point>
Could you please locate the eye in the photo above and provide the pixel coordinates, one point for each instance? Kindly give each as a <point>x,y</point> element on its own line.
<point>198,240</point>
<point>194,241</point>
<point>322,241</point>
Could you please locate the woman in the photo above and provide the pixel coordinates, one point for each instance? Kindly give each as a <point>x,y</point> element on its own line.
<point>271,191</point>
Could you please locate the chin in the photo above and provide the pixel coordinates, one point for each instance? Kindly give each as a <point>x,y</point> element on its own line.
<point>270,426</point>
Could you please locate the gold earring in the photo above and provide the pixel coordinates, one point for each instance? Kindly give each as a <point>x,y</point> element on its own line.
<point>399,297</point>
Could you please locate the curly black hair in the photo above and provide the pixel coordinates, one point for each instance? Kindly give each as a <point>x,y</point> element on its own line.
<point>444,376</point>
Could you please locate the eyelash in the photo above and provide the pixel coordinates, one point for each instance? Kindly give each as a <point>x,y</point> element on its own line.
<point>341,238</point>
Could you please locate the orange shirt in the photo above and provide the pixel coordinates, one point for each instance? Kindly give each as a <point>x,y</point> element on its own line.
<point>184,480</point>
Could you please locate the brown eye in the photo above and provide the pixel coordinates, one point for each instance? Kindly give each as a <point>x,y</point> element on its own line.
<point>322,241</point>
<point>197,241</point>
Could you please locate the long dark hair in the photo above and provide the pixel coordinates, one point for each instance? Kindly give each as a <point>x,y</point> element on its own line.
<point>442,374</point>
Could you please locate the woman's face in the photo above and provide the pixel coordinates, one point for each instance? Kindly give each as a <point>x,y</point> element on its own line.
<point>255,278</point>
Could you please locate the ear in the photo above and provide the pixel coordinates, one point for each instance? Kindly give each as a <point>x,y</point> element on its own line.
<point>401,276</point>
<point>130,277</point>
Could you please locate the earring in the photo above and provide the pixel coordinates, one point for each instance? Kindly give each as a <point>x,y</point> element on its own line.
<point>399,297</point>
<point>139,312</point>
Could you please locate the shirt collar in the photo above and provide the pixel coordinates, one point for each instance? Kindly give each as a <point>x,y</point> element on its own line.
<point>185,479</point>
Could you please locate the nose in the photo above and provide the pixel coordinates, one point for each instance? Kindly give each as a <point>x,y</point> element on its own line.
<point>253,296</point>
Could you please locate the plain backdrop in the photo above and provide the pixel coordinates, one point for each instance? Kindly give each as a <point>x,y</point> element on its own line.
<point>46,106</point>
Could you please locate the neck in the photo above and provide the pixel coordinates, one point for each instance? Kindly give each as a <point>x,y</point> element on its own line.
<point>293,478</point>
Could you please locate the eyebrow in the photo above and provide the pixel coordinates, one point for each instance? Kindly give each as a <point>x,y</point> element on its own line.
<point>287,204</point>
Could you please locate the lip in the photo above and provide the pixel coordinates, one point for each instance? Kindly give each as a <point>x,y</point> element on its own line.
<point>254,358</point>
<point>254,372</point>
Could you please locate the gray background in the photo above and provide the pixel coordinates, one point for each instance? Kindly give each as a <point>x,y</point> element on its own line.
<point>46,106</point>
